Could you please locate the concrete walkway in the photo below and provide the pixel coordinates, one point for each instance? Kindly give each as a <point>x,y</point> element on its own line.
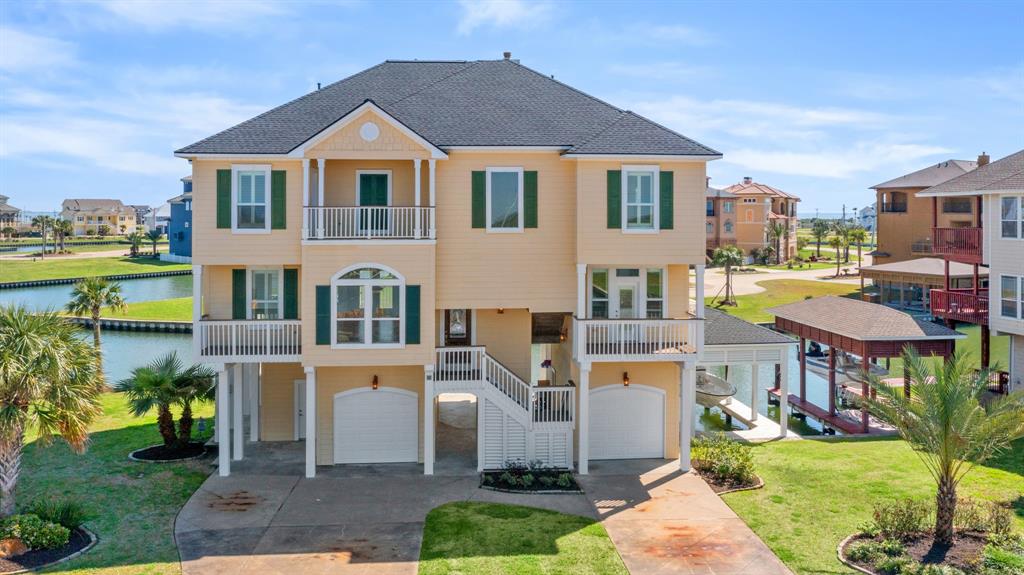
<point>359,519</point>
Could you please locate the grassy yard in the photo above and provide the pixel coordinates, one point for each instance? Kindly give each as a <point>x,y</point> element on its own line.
<point>817,492</point>
<point>777,292</point>
<point>469,538</point>
<point>13,270</point>
<point>174,309</point>
<point>132,505</point>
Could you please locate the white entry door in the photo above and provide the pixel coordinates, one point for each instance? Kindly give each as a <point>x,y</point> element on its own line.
<point>626,298</point>
<point>300,409</point>
<point>376,426</point>
<point>627,422</point>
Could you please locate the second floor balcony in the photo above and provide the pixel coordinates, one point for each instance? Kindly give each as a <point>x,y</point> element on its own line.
<point>248,340</point>
<point>958,244</point>
<point>960,305</point>
<point>356,223</point>
<point>668,339</point>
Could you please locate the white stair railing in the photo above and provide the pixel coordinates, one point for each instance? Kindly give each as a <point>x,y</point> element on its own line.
<point>507,382</point>
<point>554,405</point>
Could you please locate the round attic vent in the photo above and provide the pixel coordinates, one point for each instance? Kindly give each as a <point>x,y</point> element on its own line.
<point>369,131</point>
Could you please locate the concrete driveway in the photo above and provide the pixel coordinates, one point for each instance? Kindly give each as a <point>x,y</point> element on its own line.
<point>266,518</point>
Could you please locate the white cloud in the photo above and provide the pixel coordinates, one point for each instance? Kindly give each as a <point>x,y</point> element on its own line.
<point>500,14</point>
<point>860,158</point>
<point>663,71</point>
<point>21,51</point>
<point>162,14</point>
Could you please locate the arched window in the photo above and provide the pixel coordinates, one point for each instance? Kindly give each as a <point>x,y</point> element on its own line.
<point>709,227</point>
<point>368,307</point>
<point>728,226</point>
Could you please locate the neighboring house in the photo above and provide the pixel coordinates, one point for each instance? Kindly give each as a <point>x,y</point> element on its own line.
<point>866,218</point>
<point>756,205</point>
<point>89,214</point>
<point>419,228</point>
<point>9,215</point>
<point>179,227</point>
<point>905,221</point>
<point>720,218</point>
<point>142,216</point>
<point>997,240</point>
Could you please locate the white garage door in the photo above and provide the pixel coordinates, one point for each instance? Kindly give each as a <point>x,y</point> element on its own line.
<point>376,426</point>
<point>627,422</point>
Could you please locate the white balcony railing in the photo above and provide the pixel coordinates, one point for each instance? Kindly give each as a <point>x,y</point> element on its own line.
<point>249,340</point>
<point>369,223</point>
<point>634,339</point>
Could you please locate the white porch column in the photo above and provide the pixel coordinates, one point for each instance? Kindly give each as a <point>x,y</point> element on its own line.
<point>306,197</point>
<point>253,378</point>
<point>197,309</point>
<point>583,463</point>
<point>687,402</point>
<point>310,412</point>
<point>699,305</point>
<point>223,422</point>
<point>581,290</point>
<point>753,391</point>
<point>432,164</point>
<point>237,384</point>
<point>480,434</point>
<point>784,393</point>
<point>428,420</point>
<point>321,169</point>
<point>416,162</point>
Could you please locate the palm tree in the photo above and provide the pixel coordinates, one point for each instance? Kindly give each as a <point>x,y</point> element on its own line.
<point>89,296</point>
<point>62,228</point>
<point>947,424</point>
<point>136,239</point>
<point>836,243</point>
<point>48,382</point>
<point>154,236</point>
<point>164,383</point>
<point>858,235</point>
<point>819,229</point>
<point>9,232</point>
<point>776,229</point>
<point>42,222</point>
<point>728,256</point>
<point>843,231</point>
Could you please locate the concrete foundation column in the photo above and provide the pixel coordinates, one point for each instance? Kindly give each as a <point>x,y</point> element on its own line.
<point>428,420</point>
<point>310,421</point>
<point>687,403</point>
<point>583,463</point>
<point>223,422</point>
<point>237,426</point>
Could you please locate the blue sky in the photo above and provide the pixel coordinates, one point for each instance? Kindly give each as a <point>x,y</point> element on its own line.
<point>819,99</point>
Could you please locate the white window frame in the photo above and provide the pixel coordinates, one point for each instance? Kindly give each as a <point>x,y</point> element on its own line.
<point>1019,220</point>
<point>235,170</point>
<point>359,179</point>
<point>1018,296</point>
<point>367,286</point>
<point>250,284</point>
<point>487,199</point>
<point>727,207</point>
<point>655,197</point>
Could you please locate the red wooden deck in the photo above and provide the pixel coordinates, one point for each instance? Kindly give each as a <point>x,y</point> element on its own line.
<point>834,421</point>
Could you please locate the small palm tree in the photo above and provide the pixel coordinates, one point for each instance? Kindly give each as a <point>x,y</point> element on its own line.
<point>947,425</point>
<point>135,239</point>
<point>776,229</point>
<point>89,296</point>
<point>819,229</point>
<point>154,237</point>
<point>858,235</point>
<point>728,256</point>
<point>836,243</point>
<point>842,230</point>
<point>164,383</point>
<point>62,229</point>
<point>43,223</point>
<point>48,382</point>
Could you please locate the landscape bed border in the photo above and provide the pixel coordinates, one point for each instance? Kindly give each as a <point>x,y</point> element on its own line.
<point>59,281</point>
<point>93,540</point>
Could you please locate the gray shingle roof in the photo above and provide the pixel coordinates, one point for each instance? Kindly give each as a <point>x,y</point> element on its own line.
<point>930,176</point>
<point>480,103</point>
<point>721,328</point>
<point>1001,175</point>
<point>861,320</point>
<point>924,267</point>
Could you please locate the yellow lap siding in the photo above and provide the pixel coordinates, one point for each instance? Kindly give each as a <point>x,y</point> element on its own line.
<point>277,400</point>
<point>507,337</point>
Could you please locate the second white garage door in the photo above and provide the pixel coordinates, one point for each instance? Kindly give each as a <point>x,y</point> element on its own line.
<point>627,422</point>
<point>376,426</point>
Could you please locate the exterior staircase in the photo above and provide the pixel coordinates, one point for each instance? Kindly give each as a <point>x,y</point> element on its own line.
<point>516,421</point>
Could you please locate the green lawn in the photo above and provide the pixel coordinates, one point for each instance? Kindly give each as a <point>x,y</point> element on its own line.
<point>132,505</point>
<point>777,292</point>
<point>54,268</point>
<point>469,538</point>
<point>175,309</point>
<point>817,492</point>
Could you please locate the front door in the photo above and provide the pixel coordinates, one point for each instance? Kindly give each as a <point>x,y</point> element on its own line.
<point>373,192</point>
<point>626,298</point>
<point>457,327</point>
<point>300,409</point>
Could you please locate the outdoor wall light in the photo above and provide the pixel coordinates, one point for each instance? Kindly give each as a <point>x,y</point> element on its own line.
<point>375,383</point>
<point>562,335</point>
<point>625,378</point>
<point>501,310</point>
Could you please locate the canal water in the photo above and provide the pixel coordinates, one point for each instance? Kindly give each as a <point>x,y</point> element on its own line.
<point>57,296</point>
<point>123,351</point>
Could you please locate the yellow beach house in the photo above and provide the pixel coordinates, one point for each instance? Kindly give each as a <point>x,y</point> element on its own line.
<point>430,227</point>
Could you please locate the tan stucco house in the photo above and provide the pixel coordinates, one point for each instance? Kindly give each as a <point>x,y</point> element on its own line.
<point>740,215</point>
<point>90,214</point>
<point>426,227</point>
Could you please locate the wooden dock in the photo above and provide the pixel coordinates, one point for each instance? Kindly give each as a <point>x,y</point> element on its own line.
<point>829,421</point>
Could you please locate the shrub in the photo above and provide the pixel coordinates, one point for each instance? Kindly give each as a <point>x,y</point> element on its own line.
<point>546,480</point>
<point>70,514</point>
<point>901,518</point>
<point>723,461</point>
<point>34,532</point>
<point>565,480</point>
<point>526,480</point>
<point>1000,521</point>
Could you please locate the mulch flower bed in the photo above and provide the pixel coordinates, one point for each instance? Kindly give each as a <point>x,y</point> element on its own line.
<point>497,481</point>
<point>80,541</point>
<point>161,453</point>
<point>964,554</point>
<point>723,488</point>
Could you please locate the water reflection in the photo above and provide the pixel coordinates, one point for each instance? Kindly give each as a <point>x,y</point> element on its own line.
<point>126,350</point>
<point>56,296</point>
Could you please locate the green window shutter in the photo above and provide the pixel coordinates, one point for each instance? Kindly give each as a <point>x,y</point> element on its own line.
<point>529,199</point>
<point>479,199</point>
<point>412,315</point>
<point>666,198</point>
<point>323,315</point>
<point>291,293</point>
<point>614,199</point>
<point>238,294</point>
<point>224,199</point>
<point>277,200</point>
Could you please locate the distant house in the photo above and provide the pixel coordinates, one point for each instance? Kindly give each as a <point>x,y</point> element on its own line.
<point>179,228</point>
<point>89,214</point>
<point>8,214</point>
<point>866,218</point>
<point>756,206</point>
<point>720,214</point>
<point>141,215</point>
